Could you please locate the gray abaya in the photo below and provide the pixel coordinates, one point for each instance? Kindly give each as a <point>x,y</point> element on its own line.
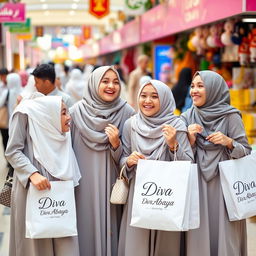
<point>20,155</point>
<point>144,134</point>
<point>217,236</point>
<point>98,220</point>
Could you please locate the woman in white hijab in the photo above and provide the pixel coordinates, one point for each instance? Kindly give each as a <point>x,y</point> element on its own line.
<point>76,84</point>
<point>97,124</point>
<point>40,150</point>
<point>154,133</point>
<point>216,133</point>
<point>15,88</point>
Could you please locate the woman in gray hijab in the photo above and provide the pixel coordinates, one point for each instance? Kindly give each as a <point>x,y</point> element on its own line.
<point>154,133</point>
<point>97,123</point>
<point>216,133</point>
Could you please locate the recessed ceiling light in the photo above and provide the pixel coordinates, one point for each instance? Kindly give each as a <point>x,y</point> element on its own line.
<point>74,6</point>
<point>76,1</point>
<point>250,20</point>
<point>45,6</point>
<point>42,1</point>
<point>46,13</point>
<point>72,12</point>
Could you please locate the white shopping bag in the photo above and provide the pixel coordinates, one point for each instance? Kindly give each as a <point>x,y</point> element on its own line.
<point>51,213</point>
<point>193,211</point>
<point>160,195</point>
<point>238,182</point>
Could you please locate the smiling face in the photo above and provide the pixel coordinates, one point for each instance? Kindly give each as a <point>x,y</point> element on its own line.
<point>65,118</point>
<point>149,102</point>
<point>109,87</point>
<point>198,91</point>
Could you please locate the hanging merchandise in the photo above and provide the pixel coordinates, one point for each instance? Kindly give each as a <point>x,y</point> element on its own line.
<point>226,35</point>
<point>244,52</point>
<point>252,38</point>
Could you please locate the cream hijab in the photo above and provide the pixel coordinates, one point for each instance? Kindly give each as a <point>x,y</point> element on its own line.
<point>212,116</point>
<point>52,148</point>
<point>147,135</point>
<point>91,115</point>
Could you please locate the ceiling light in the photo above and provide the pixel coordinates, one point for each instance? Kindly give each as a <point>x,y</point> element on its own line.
<point>42,1</point>
<point>76,1</point>
<point>72,12</point>
<point>45,6</point>
<point>46,13</point>
<point>250,20</point>
<point>74,6</point>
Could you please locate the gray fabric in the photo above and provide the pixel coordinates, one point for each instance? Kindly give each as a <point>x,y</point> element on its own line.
<point>91,115</point>
<point>98,220</point>
<point>217,236</point>
<point>212,116</point>
<point>66,98</point>
<point>148,136</point>
<point>20,154</point>
<point>145,242</point>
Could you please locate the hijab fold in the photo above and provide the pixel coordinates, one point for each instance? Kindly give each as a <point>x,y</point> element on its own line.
<point>52,148</point>
<point>212,116</point>
<point>147,135</point>
<point>92,114</point>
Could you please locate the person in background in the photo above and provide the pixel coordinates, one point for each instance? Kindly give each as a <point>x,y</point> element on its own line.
<point>24,77</point>
<point>75,86</point>
<point>97,123</point>
<point>117,66</point>
<point>40,151</point>
<point>216,133</point>
<point>134,79</point>
<point>65,77</point>
<point>45,77</point>
<point>4,94</point>
<point>181,89</point>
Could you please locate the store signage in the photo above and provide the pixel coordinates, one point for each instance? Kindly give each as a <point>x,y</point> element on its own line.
<point>176,16</point>
<point>162,61</point>
<point>12,12</point>
<point>86,32</point>
<point>99,8</point>
<point>25,37</point>
<point>134,7</point>
<point>20,27</point>
<point>39,31</point>
<point>57,42</point>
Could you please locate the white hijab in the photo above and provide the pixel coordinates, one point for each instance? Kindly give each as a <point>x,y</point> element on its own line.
<point>15,87</point>
<point>52,148</point>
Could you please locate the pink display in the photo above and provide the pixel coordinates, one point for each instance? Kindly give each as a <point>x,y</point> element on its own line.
<point>12,12</point>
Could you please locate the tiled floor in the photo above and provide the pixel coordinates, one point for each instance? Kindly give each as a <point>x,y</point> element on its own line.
<point>5,219</point>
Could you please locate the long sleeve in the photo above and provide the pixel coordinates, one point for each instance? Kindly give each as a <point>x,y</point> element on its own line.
<point>184,151</point>
<point>15,149</point>
<point>237,133</point>
<point>116,153</point>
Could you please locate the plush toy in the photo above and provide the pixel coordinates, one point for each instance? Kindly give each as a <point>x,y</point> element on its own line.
<point>240,31</point>
<point>252,47</point>
<point>205,34</point>
<point>211,38</point>
<point>244,52</point>
<point>226,35</point>
<point>195,40</point>
<point>217,36</point>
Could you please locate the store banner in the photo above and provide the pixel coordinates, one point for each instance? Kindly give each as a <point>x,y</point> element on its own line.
<point>39,31</point>
<point>134,7</point>
<point>99,8</point>
<point>22,27</point>
<point>12,12</point>
<point>25,37</point>
<point>86,32</point>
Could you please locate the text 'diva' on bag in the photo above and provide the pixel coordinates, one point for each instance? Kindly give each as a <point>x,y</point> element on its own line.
<point>51,213</point>
<point>162,196</point>
<point>238,182</point>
